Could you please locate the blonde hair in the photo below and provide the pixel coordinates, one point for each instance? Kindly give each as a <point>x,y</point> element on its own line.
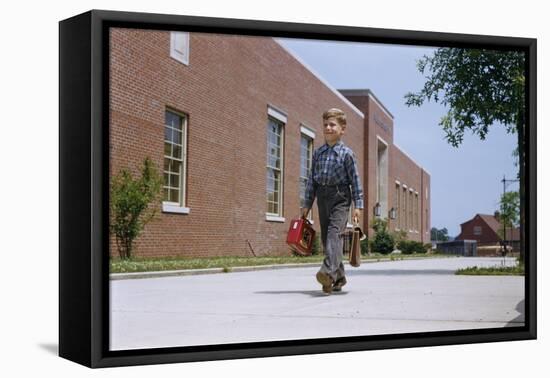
<point>336,113</point>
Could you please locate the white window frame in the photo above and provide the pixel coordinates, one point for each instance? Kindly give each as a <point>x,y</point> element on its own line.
<point>279,115</point>
<point>307,131</point>
<point>280,118</point>
<point>411,210</point>
<point>417,212</point>
<point>179,46</point>
<point>179,207</point>
<point>397,204</point>
<point>404,202</point>
<point>309,134</point>
<point>384,204</point>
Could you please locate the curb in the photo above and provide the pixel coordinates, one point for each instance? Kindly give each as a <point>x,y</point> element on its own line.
<point>193,272</point>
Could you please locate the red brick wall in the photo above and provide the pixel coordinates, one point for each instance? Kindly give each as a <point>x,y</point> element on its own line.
<point>379,124</point>
<point>375,118</point>
<point>488,235</point>
<point>407,172</point>
<point>361,102</point>
<point>426,196</point>
<point>225,91</point>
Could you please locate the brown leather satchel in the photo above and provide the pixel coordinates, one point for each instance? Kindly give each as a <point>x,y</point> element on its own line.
<point>355,250</point>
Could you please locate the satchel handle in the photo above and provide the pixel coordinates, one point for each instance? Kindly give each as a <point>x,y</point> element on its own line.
<point>357,228</point>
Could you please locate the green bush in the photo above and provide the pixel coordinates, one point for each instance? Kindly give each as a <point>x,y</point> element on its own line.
<point>382,242</point>
<point>421,247</point>
<point>408,247</point>
<point>399,236</point>
<point>130,205</point>
<point>364,247</point>
<point>316,247</point>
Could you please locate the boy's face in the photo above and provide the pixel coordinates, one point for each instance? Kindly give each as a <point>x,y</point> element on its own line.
<point>332,130</point>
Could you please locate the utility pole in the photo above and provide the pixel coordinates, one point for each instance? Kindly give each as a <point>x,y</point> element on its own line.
<point>504,181</point>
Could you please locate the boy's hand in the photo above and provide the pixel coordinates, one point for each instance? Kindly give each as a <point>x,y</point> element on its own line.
<point>305,211</point>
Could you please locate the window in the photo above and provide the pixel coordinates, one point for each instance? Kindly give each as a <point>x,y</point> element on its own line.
<point>274,167</point>
<point>306,155</point>
<point>404,224</point>
<point>427,221</point>
<point>397,205</point>
<point>382,187</point>
<point>416,213</point>
<point>179,46</point>
<point>410,209</point>
<point>477,230</point>
<point>175,134</point>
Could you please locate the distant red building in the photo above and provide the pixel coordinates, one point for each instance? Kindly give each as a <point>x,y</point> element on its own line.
<point>485,230</point>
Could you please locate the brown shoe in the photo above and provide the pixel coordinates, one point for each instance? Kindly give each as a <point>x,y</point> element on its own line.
<point>339,283</point>
<point>325,280</point>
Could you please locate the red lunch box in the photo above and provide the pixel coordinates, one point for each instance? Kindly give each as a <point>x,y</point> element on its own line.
<point>300,236</point>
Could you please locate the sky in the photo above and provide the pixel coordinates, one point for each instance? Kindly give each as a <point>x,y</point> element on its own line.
<point>465,180</point>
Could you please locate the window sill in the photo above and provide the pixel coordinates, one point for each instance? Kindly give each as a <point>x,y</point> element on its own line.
<point>274,218</point>
<point>184,61</point>
<point>170,208</point>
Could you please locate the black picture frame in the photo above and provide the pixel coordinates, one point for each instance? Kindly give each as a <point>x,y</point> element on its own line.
<point>84,191</point>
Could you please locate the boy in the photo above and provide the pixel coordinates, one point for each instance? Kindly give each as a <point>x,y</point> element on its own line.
<point>333,171</point>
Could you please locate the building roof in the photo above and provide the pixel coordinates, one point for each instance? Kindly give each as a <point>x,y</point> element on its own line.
<point>320,78</point>
<point>494,224</point>
<point>342,93</point>
<point>367,93</point>
<point>491,221</point>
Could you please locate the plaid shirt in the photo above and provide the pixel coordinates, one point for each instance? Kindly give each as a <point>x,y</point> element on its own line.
<point>334,165</point>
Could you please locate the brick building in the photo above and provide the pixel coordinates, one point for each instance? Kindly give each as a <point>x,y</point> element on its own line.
<point>232,122</point>
<point>484,229</point>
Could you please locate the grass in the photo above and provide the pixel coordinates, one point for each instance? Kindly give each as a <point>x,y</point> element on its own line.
<point>142,264</point>
<point>518,270</point>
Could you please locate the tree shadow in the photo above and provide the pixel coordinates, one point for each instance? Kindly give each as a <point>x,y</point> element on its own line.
<point>311,293</point>
<point>400,272</point>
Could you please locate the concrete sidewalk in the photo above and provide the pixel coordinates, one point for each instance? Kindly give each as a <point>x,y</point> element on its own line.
<point>284,304</point>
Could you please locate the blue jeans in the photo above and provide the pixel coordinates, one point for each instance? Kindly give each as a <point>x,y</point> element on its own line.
<point>333,203</point>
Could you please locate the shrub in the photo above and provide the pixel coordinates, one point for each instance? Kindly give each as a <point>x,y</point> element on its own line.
<point>408,247</point>
<point>316,247</point>
<point>130,202</point>
<point>383,242</point>
<point>421,247</point>
<point>364,247</point>
<point>399,236</point>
